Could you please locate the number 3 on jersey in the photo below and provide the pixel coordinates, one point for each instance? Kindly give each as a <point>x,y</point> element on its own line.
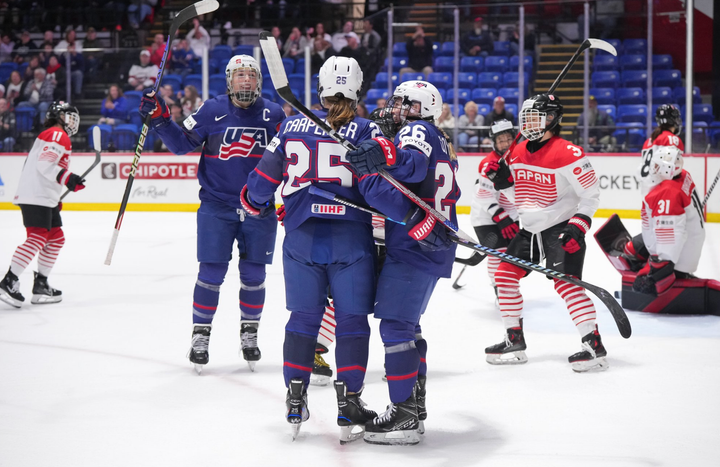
<point>326,163</point>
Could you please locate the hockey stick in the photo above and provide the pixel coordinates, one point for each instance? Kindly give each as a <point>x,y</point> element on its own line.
<point>710,190</point>
<point>282,87</point>
<point>474,260</point>
<point>196,9</point>
<point>455,285</point>
<point>96,146</point>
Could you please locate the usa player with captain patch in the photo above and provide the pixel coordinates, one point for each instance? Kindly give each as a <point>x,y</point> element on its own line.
<point>234,130</point>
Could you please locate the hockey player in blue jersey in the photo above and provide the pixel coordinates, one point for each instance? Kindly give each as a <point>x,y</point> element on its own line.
<point>418,254</point>
<point>326,244</point>
<point>233,129</point>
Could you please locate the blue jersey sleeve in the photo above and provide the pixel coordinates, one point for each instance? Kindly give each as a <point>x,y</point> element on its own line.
<point>264,180</point>
<point>180,140</point>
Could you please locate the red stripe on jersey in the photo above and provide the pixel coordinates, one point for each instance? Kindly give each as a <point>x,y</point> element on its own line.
<point>267,177</point>
<point>588,180</point>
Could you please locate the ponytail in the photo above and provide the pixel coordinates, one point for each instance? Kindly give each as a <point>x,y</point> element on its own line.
<point>340,112</point>
<point>656,132</point>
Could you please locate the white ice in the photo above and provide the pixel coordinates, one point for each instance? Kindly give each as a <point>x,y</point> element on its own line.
<point>102,378</point>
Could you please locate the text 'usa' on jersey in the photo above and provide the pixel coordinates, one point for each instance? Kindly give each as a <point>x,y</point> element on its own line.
<point>233,141</point>
<point>302,155</point>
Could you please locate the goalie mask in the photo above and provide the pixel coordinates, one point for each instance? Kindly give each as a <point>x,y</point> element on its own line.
<point>502,134</point>
<point>244,80</point>
<point>666,163</point>
<point>340,77</point>
<point>414,100</point>
<point>66,115</point>
<point>668,115</point>
<point>539,114</point>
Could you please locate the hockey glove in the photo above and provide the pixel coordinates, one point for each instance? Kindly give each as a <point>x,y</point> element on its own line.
<point>372,155</point>
<point>508,228</point>
<point>572,238</point>
<point>424,228</point>
<point>156,108</point>
<point>499,173</point>
<point>254,208</point>
<point>70,180</point>
<point>656,280</point>
<point>281,214</point>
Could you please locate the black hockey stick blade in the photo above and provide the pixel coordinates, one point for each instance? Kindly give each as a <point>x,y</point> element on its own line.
<point>587,44</point>
<point>474,260</point>
<point>455,285</point>
<point>96,146</point>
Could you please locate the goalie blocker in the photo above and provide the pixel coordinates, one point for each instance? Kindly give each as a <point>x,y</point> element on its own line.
<point>687,296</point>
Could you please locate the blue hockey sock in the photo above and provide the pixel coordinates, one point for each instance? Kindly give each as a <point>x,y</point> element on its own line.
<point>402,358</point>
<point>421,345</point>
<point>352,336</point>
<point>252,290</point>
<point>299,347</point>
<point>207,292</point>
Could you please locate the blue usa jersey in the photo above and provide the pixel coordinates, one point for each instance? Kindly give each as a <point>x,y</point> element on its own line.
<point>425,167</point>
<point>302,155</point>
<point>233,141</point>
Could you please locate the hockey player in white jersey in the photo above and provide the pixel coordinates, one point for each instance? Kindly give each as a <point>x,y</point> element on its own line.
<point>556,192</point>
<point>45,173</point>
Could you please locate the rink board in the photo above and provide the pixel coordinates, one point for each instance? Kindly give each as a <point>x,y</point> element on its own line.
<point>166,182</point>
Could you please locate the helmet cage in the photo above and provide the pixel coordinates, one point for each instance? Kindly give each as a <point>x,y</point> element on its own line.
<point>243,96</point>
<point>501,127</point>
<point>67,115</point>
<point>533,123</point>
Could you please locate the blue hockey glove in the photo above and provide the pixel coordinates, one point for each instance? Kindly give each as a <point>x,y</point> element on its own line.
<point>372,155</point>
<point>156,108</point>
<point>254,208</point>
<point>424,228</point>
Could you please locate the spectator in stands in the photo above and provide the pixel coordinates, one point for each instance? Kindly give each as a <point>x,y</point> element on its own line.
<point>320,32</point>
<point>92,58</point>
<point>177,116</point>
<point>599,139</point>
<point>38,93</point>
<point>25,48</point>
<point>114,108</point>
<point>323,51</point>
<point>295,44</point>
<point>2,91</point>
<point>371,40</point>
<point>77,67</point>
<point>316,106</point>
<point>7,126</point>
<point>46,54</point>
<point>49,36</point>
<point>467,137</point>
<point>380,103</point>
<point>56,73</point>
<point>13,89</point>
<point>182,58</point>
<point>477,42</point>
<point>143,75</point>
<point>138,10</point>
<point>117,9</point>
<point>420,53</point>
<point>355,50</point>
<point>362,110</point>
<point>157,50</point>
<point>515,41</point>
<point>30,70</point>
<point>498,112</point>
<point>70,39</point>
<point>7,47</point>
<point>277,34</point>
<point>199,38</point>
<point>339,39</point>
<point>166,92</point>
<point>190,101</point>
<point>446,121</point>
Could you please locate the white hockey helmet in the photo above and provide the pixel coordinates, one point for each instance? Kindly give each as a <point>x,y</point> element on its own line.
<point>666,163</point>
<point>243,96</point>
<point>416,99</point>
<point>501,127</point>
<point>340,77</point>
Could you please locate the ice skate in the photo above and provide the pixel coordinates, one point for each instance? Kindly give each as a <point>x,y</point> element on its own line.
<point>592,356</point>
<point>352,414</point>
<point>420,400</point>
<point>296,403</point>
<point>509,352</point>
<point>398,425</point>
<point>42,292</point>
<point>198,353</point>
<point>248,340</point>
<point>321,372</point>
<point>10,290</point>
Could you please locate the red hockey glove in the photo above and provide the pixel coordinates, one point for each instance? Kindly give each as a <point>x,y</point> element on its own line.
<point>499,173</point>
<point>508,228</point>
<point>151,105</point>
<point>572,238</point>
<point>373,155</point>
<point>254,208</point>
<point>424,228</point>
<point>70,180</point>
<point>281,214</point>
<point>660,277</point>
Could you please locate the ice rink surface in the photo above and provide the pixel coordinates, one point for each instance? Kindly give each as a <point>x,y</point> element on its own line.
<point>102,378</point>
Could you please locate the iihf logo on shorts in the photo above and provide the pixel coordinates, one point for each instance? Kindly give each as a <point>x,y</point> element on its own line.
<point>240,141</point>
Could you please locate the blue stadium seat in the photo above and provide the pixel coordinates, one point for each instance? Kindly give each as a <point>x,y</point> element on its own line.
<point>703,113</point>
<point>444,64</point>
<point>700,133</point>
<point>457,112</point>
<point>669,78</point>
<point>289,65</point>
<point>488,79</point>
<point>608,109</point>
<point>133,99</point>
<point>125,137</point>
<point>662,62</point>
<point>515,63</point>
<point>605,62</point>
<point>512,108</point>
<point>134,118</point>
<point>24,119</point>
<point>679,95</point>
<point>193,80</point>
<point>633,62</point>
<point>381,80</point>
<point>627,96</point>
<point>447,49</point>
<point>105,132</point>
<point>629,134</point>
<point>632,113</point>
<point>218,83</point>
<point>635,46</point>
<point>173,80</point>
<point>603,96</point>
<point>374,94</point>
<point>463,95</point>
<point>441,80</point>
<point>472,64</point>
<point>467,80</point>
<point>483,95</point>
<point>502,48</point>
<point>221,53</point>
<point>297,81</point>
<point>412,77</point>
<point>264,68</point>
<point>511,79</point>
<point>269,95</point>
<point>662,95</point>
<point>244,50</point>
<point>436,48</point>
<point>298,68</point>
<point>443,94</point>
<point>484,109</point>
<point>399,49</point>
<point>511,95</point>
<point>5,69</point>
<point>617,43</point>
<point>605,79</point>
<point>494,63</point>
<point>397,63</point>
<point>634,79</point>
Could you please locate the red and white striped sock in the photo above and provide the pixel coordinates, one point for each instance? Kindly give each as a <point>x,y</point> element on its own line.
<point>49,252</point>
<point>581,308</point>
<point>24,254</point>
<point>507,280</point>
<point>326,336</point>
<point>493,263</point>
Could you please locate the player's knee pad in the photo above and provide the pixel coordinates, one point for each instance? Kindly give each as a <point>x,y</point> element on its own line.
<point>252,274</point>
<point>38,233</point>
<point>57,236</point>
<point>304,322</point>
<point>348,325</point>
<point>394,332</point>
<point>213,273</point>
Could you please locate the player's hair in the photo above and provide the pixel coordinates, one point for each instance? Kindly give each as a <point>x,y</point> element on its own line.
<point>51,122</point>
<point>340,113</point>
<point>656,132</point>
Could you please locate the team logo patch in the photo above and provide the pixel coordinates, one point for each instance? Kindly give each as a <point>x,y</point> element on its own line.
<point>577,170</point>
<point>240,142</point>
<point>189,123</point>
<point>420,85</point>
<point>334,209</point>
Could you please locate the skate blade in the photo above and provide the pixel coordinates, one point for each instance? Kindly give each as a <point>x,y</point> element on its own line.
<point>510,358</point>
<point>251,365</point>
<point>320,380</point>
<point>10,301</point>
<point>348,436</point>
<point>198,368</point>
<point>421,427</point>
<point>45,299</point>
<point>384,378</point>
<point>395,438</point>
<point>594,365</point>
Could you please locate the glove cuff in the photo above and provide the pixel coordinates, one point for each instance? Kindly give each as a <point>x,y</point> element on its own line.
<point>63,176</point>
<point>499,215</point>
<point>422,229</point>
<point>581,221</point>
<point>389,150</point>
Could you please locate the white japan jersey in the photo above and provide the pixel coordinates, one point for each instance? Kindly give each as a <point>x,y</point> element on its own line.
<point>552,184</point>
<point>486,200</point>
<point>38,182</point>
<point>672,224</point>
<point>666,138</point>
